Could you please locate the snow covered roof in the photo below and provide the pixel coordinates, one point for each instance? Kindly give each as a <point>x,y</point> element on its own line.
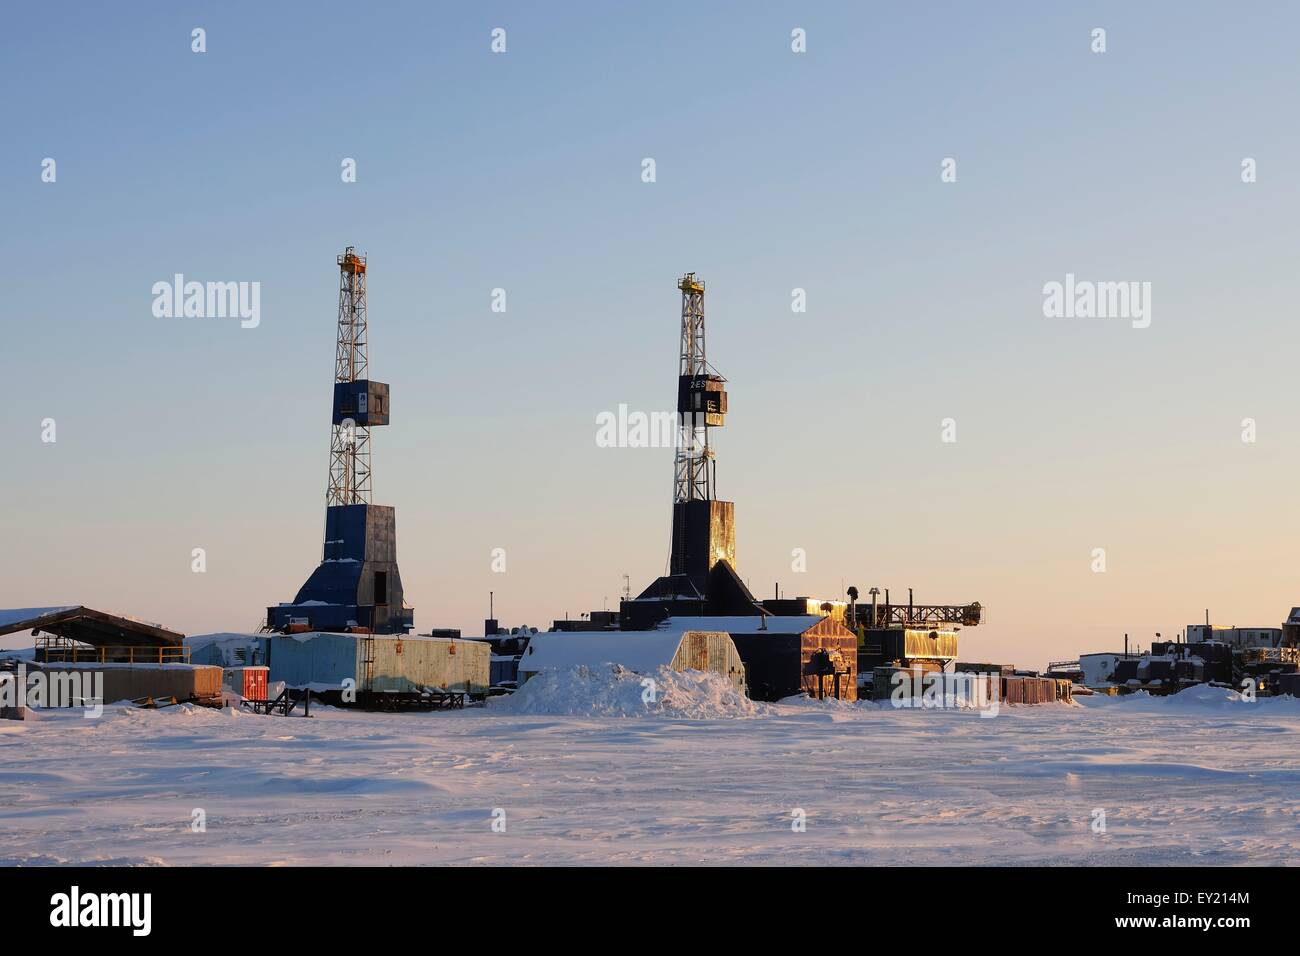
<point>87,625</point>
<point>640,651</point>
<point>744,624</point>
<point>21,615</point>
<point>406,638</point>
<point>196,641</point>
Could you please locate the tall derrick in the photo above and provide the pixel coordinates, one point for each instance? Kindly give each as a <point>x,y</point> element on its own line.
<point>703,530</point>
<point>349,482</point>
<point>701,576</point>
<point>357,586</point>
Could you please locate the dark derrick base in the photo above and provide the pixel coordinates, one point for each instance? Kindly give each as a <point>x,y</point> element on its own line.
<point>358,584</point>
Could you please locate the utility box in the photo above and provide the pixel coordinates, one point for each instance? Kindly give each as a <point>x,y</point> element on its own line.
<point>363,402</point>
<point>702,399</point>
<point>248,682</point>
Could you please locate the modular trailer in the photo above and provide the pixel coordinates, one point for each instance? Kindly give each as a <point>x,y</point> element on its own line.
<point>188,683</point>
<point>379,663</point>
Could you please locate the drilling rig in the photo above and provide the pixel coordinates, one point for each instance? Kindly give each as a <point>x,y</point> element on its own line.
<point>357,586</point>
<point>701,576</point>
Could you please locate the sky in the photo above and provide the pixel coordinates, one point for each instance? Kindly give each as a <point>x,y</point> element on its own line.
<point>774,170</point>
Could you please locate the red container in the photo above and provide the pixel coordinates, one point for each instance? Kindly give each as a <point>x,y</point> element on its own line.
<point>249,682</point>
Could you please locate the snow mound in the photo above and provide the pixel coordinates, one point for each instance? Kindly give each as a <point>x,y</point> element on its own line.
<point>826,703</point>
<point>1198,697</point>
<point>610,690</point>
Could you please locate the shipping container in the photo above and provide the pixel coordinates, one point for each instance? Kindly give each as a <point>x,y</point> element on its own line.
<point>1064,690</point>
<point>1033,690</point>
<point>249,682</point>
<point>380,663</point>
<point>198,683</point>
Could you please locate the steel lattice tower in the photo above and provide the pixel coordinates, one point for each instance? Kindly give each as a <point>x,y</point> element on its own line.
<point>357,587</point>
<point>349,442</point>
<point>701,574</point>
<point>701,524</point>
<point>694,468</point>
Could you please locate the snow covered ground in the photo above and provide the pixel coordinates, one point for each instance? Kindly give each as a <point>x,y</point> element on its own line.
<point>1197,779</point>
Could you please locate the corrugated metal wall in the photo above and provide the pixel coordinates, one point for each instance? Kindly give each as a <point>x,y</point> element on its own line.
<point>400,663</point>
<point>321,659</point>
<point>199,682</point>
<point>709,651</point>
<point>841,645</point>
<point>929,642</point>
<point>405,664</point>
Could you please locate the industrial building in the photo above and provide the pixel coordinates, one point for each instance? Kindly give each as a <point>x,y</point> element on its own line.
<point>785,656</point>
<point>139,661</point>
<point>348,625</point>
<point>357,586</point>
<point>1267,657</point>
<point>785,647</point>
<point>1236,637</point>
<point>912,647</point>
<point>675,646</point>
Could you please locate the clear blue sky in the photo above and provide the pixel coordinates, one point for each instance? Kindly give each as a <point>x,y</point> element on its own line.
<point>774,171</point>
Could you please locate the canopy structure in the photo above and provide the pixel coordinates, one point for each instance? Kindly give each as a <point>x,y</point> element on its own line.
<point>87,626</point>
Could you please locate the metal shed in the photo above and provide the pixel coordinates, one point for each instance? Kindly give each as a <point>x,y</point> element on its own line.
<point>641,651</point>
<point>134,658</point>
<point>785,656</point>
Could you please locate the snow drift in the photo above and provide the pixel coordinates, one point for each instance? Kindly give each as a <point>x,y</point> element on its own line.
<point>610,690</point>
<point>1201,697</point>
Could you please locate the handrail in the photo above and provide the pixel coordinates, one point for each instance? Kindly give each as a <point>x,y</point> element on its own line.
<point>62,651</point>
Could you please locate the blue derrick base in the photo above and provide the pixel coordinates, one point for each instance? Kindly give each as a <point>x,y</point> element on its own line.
<point>358,583</point>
